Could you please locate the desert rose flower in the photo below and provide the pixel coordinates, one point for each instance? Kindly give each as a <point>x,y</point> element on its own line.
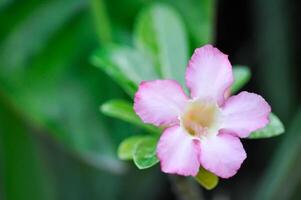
<point>203,130</point>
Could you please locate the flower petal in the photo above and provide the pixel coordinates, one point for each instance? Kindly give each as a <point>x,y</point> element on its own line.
<point>245,113</point>
<point>178,152</point>
<point>209,74</point>
<point>222,154</point>
<point>160,102</point>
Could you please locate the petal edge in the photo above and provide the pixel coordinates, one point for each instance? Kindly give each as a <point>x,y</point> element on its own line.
<point>209,74</point>
<point>222,155</point>
<point>245,113</point>
<point>160,102</point>
<point>178,152</point>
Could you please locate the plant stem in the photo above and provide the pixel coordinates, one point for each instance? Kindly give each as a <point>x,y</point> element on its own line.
<point>185,188</point>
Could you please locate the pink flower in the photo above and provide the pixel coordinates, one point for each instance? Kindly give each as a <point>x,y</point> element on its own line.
<point>203,130</point>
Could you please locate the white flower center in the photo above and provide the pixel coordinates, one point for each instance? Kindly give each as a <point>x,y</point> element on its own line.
<point>200,118</point>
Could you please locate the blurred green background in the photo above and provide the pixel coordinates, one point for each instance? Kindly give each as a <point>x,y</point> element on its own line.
<point>54,142</point>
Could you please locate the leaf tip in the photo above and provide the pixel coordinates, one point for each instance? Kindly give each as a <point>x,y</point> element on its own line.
<point>207,179</point>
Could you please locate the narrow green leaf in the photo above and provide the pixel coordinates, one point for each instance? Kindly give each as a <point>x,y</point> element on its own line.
<point>123,110</point>
<point>25,175</point>
<point>160,32</point>
<point>282,177</point>
<point>207,179</point>
<point>242,75</point>
<point>276,76</point>
<point>145,153</point>
<point>127,66</point>
<point>274,128</point>
<point>127,147</point>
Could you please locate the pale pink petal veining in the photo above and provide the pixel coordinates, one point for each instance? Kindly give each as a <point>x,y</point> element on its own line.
<point>209,74</point>
<point>160,102</point>
<point>245,113</point>
<point>178,152</point>
<point>222,154</point>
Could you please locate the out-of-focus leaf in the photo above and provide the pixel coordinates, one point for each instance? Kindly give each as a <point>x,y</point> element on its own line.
<point>241,75</point>
<point>128,10</point>
<point>207,179</point>
<point>145,153</point>
<point>275,76</point>
<point>75,179</point>
<point>123,110</point>
<point>282,176</point>
<point>60,93</point>
<point>126,65</point>
<point>274,128</point>
<point>4,4</point>
<point>24,176</point>
<point>16,12</point>
<point>128,146</point>
<point>55,90</point>
<point>102,23</point>
<point>32,34</point>
<point>160,32</point>
<point>199,16</point>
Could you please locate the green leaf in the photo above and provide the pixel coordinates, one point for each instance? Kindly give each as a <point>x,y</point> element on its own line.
<point>127,66</point>
<point>59,93</point>
<point>207,179</point>
<point>128,146</point>
<point>145,153</point>
<point>160,32</point>
<point>42,25</point>
<point>102,21</point>
<point>274,128</point>
<point>56,92</point>
<point>4,4</point>
<point>199,16</point>
<point>241,75</point>
<point>123,110</point>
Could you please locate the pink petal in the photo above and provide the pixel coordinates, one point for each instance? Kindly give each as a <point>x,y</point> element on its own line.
<point>245,113</point>
<point>222,154</point>
<point>160,102</point>
<point>178,152</point>
<point>209,74</point>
